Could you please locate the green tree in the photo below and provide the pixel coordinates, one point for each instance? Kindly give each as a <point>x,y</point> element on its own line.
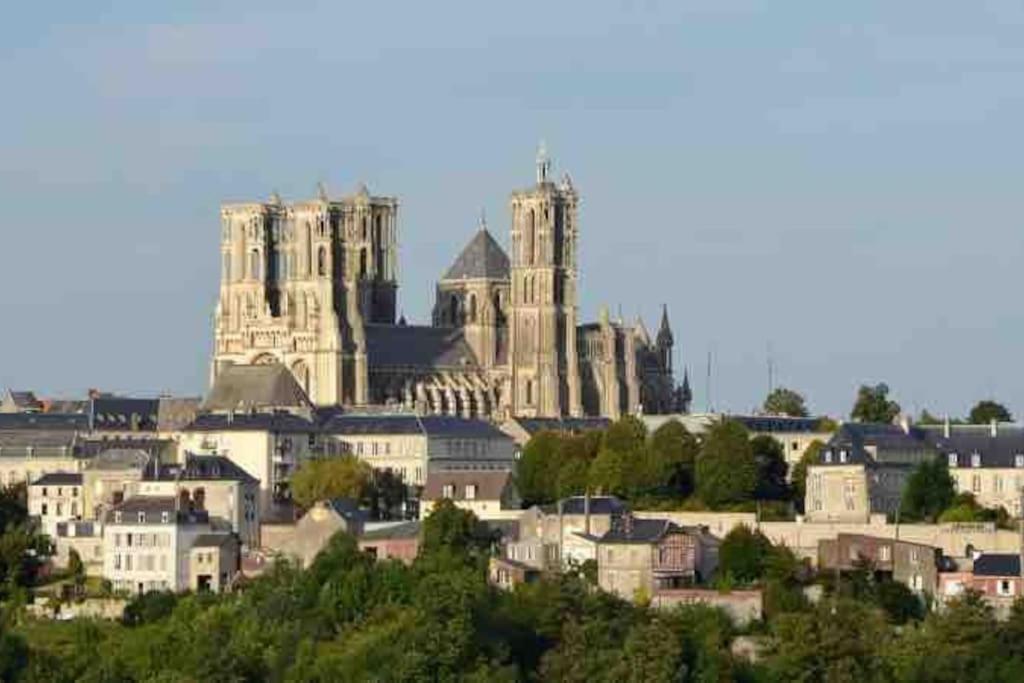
<point>986,411</point>
<point>627,435</point>
<point>453,530</point>
<point>928,492</point>
<point>538,468</point>
<point>672,452</point>
<point>874,405</point>
<point>726,471</point>
<point>344,476</point>
<point>744,555</point>
<point>784,401</point>
<point>798,481</point>
<point>771,468</point>
<point>612,473</point>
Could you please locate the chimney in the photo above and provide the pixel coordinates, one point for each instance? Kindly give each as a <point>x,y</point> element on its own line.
<point>627,523</point>
<point>947,428</point>
<point>994,427</point>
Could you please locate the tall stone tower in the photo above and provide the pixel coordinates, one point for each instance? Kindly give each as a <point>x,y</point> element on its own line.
<point>299,283</point>
<point>544,377</point>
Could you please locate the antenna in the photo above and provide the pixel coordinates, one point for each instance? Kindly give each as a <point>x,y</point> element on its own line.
<point>771,370</point>
<point>707,388</point>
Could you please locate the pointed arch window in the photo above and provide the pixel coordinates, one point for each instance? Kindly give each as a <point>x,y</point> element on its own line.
<point>453,310</point>
<point>472,308</point>
<point>528,242</point>
<point>321,261</point>
<point>254,264</point>
<point>227,266</point>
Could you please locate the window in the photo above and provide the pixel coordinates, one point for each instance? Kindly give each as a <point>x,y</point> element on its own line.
<point>885,553</point>
<point>828,456</point>
<point>164,517</point>
<point>999,484</point>
<point>321,261</point>
<point>470,491</point>
<point>952,459</point>
<point>60,509</point>
<point>128,563</point>
<point>842,456</point>
<point>43,510</point>
<point>914,557</point>
<point>976,484</point>
<point>975,460</point>
<point>44,492</point>
<point>117,561</point>
<point>1005,587</point>
<point>142,517</point>
<point>1018,460</point>
<point>794,446</point>
<point>117,517</point>
<point>74,492</point>
<point>448,491</point>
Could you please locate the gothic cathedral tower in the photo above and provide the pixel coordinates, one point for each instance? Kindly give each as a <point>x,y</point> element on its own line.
<point>300,282</point>
<point>545,379</point>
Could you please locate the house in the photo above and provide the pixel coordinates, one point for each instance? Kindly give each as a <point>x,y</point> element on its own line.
<point>640,557</point>
<point>20,402</point>
<point>112,477</point>
<point>412,446</point>
<point>564,534</point>
<point>392,541</point>
<point>148,542</point>
<point>986,461</point>
<point>269,447</point>
<point>27,453</point>
<point>214,562</point>
<point>997,576</point>
<point>481,492</point>
<point>506,573</point>
<point>212,483</point>
<point>912,564</point>
<point>303,540</point>
<point>55,497</point>
<point>862,471</point>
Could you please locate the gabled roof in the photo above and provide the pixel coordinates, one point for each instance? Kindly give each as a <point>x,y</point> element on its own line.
<point>994,450</point>
<point>876,444</point>
<point>116,413</point>
<point>154,507</point>
<point>490,484</point>
<point>256,387</point>
<point>997,564</point>
<point>250,422</point>
<point>416,346</point>
<point>212,540</point>
<point>24,400</point>
<point>640,531</point>
<point>59,479</point>
<point>483,257</point>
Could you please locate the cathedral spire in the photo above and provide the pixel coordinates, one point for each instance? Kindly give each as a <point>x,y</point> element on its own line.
<point>543,164</point>
<point>665,330</point>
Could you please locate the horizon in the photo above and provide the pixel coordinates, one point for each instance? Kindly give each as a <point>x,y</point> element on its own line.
<point>837,187</point>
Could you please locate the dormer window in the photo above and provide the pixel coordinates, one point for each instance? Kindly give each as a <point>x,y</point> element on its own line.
<point>952,460</point>
<point>842,456</point>
<point>165,517</point>
<point>828,456</point>
<point>117,517</point>
<point>975,460</point>
<point>142,517</point>
<point>1018,460</point>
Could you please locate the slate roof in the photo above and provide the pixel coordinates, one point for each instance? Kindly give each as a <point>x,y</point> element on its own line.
<point>59,479</point>
<point>393,531</point>
<point>175,413</point>
<point>212,540</point>
<point>202,468</point>
<point>24,400</point>
<point>997,564</point>
<point>777,423</point>
<point>533,425</point>
<point>640,531</point>
<point>120,459</point>
<point>372,424</point>
<point>417,346</point>
<point>599,505</point>
<point>489,483</point>
<point>241,422</point>
<point>450,426</point>
<point>116,413</point>
<point>69,421</point>
<point>967,440</point>
<point>854,442</point>
<point>483,257</point>
<point>255,387</point>
<point>14,442</point>
<point>154,507</point>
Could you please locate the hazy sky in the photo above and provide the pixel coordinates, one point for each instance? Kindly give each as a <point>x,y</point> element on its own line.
<point>840,181</point>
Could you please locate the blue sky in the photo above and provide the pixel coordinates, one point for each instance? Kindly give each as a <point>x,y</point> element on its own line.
<point>839,181</point>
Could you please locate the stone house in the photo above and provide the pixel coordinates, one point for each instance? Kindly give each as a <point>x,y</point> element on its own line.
<point>986,461</point>
<point>640,557</point>
<point>214,562</point>
<point>480,492</point>
<point>997,576</point>
<point>390,541</point>
<point>55,497</point>
<point>303,540</point>
<point>564,534</point>
<point>912,564</point>
<point>506,573</point>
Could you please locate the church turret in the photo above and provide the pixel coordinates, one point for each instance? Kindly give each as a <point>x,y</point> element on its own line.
<point>685,394</point>
<point>665,340</point>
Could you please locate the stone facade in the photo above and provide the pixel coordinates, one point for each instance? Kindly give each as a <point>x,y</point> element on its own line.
<point>313,285</point>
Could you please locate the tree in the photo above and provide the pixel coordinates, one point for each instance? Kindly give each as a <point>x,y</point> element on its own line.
<point>929,490</point>
<point>345,476</point>
<point>798,482</point>
<point>771,468</point>
<point>987,411</point>
<point>744,554</point>
<point>627,435</point>
<point>726,471</point>
<point>537,469</point>
<point>873,405</point>
<point>611,473</point>
<point>672,452</point>
<point>387,492</point>
<point>784,401</point>
<point>451,529</point>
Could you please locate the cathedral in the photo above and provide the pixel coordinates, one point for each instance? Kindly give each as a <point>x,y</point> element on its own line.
<point>313,285</point>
